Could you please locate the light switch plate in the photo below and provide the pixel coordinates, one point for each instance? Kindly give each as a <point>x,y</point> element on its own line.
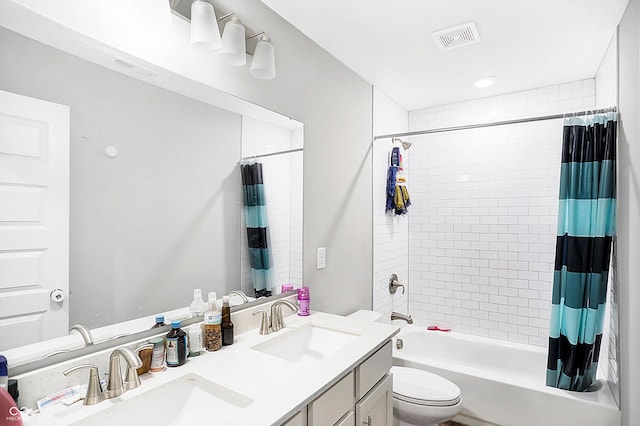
<point>321,258</point>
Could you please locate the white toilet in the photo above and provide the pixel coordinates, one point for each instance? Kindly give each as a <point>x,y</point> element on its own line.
<point>419,397</point>
<point>423,398</point>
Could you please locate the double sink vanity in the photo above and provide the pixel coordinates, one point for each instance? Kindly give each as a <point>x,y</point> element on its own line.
<point>320,370</point>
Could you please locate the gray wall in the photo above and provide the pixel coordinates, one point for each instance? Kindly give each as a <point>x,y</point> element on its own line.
<point>628,234</point>
<point>160,219</point>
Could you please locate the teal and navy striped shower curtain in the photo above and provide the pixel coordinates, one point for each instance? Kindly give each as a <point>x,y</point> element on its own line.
<point>255,216</point>
<point>586,219</point>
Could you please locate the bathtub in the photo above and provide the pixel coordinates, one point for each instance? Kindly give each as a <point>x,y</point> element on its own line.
<point>502,383</point>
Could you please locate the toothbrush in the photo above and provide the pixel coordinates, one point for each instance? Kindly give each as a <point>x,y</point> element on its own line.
<point>436,328</point>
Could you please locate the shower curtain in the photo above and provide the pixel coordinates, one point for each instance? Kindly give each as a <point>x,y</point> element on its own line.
<point>586,220</point>
<point>255,215</point>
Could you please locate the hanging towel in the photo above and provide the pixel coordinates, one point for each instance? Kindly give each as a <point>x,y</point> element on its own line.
<point>391,178</point>
<point>401,200</point>
<point>391,188</point>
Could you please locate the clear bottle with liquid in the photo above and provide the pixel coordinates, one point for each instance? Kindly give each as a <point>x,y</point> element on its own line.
<point>212,325</point>
<point>227,325</point>
<point>197,307</point>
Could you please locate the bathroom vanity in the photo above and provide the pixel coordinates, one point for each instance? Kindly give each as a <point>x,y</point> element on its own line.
<point>321,369</point>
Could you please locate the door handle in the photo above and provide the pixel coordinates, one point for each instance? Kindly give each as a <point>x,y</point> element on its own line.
<point>57,295</point>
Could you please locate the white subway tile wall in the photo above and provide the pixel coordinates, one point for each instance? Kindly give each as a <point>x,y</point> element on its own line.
<point>390,232</point>
<point>483,222</point>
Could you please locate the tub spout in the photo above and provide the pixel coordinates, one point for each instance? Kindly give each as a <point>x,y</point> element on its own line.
<point>403,317</point>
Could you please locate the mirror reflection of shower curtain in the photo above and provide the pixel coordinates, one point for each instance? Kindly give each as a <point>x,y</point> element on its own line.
<point>255,214</point>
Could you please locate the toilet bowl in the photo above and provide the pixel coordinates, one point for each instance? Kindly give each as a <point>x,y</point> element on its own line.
<point>423,398</point>
<point>420,398</point>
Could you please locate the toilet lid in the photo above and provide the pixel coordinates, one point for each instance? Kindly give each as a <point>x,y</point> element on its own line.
<point>424,388</point>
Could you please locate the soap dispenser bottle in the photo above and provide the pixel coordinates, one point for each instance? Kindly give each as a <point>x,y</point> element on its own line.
<point>227,325</point>
<point>176,345</point>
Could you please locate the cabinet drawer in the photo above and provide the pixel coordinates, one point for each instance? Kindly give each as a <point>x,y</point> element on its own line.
<point>372,370</point>
<point>329,407</point>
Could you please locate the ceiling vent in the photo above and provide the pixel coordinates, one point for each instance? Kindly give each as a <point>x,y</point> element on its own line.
<point>458,36</point>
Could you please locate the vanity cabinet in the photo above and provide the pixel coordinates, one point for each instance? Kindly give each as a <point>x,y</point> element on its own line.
<point>376,408</point>
<point>364,396</point>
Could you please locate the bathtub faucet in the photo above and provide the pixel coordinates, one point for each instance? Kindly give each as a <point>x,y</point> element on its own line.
<point>403,317</point>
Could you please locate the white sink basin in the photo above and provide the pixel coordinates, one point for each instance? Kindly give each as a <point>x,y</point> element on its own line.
<point>179,402</point>
<point>307,344</point>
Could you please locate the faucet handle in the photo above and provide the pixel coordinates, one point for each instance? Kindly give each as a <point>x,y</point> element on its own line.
<point>116,386</point>
<point>264,323</point>
<point>292,307</point>
<point>94,390</point>
<point>394,284</point>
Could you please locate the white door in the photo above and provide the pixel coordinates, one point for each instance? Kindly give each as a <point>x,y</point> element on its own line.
<point>34,219</point>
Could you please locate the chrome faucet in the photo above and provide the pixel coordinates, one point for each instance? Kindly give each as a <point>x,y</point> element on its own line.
<point>241,294</point>
<point>277,322</point>
<point>86,334</point>
<point>116,385</point>
<point>264,322</point>
<point>94,390</point>
<point>403,317</point>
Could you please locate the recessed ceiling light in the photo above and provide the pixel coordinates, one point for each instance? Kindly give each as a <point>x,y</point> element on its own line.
<point>484,82</point>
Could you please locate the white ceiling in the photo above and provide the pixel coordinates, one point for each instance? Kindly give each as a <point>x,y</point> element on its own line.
<point>525,44</point>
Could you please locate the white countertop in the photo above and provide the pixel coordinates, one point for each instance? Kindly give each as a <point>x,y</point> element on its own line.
<point>278,387</point>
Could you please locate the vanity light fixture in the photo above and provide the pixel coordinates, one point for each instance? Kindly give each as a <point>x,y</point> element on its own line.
<point>204,26</point>
<point>234,44</point>
<point>263,65</point>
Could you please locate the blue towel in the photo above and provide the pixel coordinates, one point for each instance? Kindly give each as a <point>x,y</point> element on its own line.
<point>391,178</point>
<point>391,188</point>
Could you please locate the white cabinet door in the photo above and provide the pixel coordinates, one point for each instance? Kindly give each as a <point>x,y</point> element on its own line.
<point>329,407</point>
<point>34,219</point>
<point>376,408</point>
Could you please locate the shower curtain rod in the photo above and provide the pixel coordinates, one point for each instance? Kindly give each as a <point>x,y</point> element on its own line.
<point>495,123</point>
<point>270,154</point>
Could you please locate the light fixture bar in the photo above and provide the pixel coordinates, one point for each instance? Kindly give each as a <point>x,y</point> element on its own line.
<point>226,16</point>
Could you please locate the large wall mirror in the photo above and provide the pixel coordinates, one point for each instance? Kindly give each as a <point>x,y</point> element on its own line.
<point>156,196</point>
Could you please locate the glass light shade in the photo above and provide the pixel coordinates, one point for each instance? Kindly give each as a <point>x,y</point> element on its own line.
<point>233,43</point>
<point>263,64</point>
<point>204,26</point>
